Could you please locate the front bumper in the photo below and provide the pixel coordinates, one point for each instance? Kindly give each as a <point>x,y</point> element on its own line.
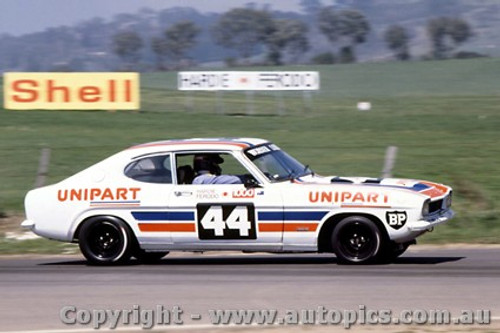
<point>431,221</point>
<point>28,224</point>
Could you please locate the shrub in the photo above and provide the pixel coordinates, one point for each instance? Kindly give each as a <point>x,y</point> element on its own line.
<point>469,55</point>
<point>326,58</point>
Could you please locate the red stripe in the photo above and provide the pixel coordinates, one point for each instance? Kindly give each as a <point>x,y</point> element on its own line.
<point>114,205</point>
<point>287,227</point>
<point>263,227</point>
<point>147,145</point>
<point>167,227</point>
<point>363,206</point>
<point>436,190</point>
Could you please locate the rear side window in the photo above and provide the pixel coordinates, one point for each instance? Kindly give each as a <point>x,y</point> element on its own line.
<point>153,169</point>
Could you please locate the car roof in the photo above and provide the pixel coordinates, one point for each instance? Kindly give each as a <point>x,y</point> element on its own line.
<point>233,144</point>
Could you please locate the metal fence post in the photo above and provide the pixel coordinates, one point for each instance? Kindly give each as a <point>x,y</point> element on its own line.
<point>43,167</point>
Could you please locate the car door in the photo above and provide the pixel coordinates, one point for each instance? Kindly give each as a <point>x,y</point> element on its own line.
<point>225,216</point>
<point>151,176</point>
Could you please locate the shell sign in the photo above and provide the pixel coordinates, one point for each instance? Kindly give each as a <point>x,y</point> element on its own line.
<point>71,91</point>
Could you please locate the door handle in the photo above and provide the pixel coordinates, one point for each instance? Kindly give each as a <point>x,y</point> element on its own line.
<point>183,193</point>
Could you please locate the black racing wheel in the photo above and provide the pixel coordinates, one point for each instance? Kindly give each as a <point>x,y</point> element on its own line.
<point>356,240</point>
<point>105,240</point>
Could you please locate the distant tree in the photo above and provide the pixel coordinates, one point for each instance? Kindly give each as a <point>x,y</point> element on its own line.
<point>469,55</point>
<point>328,23</point>
<point>346,55</point>
<point>92,32</point>
<point>436,29</point>
<point>174,43</point>
<point>243,29</point>
<point>179,38</point>
<point>396,38</point>
<point>298,38</point>
<point>446,33</point>
<point>347,27</point>
<point>326,58</point>
<point>288,35</point>
<point>34,64</point>
<point>127,45</point>
<point>459,30</point>
<point>160,48</point>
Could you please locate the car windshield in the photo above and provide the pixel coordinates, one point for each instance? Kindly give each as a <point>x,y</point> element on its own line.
<point>276,164</point>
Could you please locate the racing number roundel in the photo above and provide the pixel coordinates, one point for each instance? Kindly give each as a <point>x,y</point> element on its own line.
<point>226,221</point>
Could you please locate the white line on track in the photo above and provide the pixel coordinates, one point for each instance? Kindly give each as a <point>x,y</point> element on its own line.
<point>180,328</point>
<point>134,329</point>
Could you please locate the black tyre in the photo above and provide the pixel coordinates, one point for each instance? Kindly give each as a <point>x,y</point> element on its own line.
<point>148,257</point>
<point>356,240</point>
<point>105,240</point>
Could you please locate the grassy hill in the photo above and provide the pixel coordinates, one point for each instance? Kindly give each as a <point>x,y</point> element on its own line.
<point>444,117</point>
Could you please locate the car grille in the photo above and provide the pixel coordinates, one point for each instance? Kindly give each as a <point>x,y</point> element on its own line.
<point>435,206</point>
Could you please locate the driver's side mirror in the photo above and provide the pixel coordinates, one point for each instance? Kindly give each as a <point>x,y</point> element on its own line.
<point>250,182</point>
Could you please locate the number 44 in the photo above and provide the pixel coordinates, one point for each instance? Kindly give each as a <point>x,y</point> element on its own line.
<point>237,220</point>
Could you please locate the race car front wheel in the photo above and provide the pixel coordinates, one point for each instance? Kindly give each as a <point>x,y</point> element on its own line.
<point>105,240</point>
<point>356,240</point>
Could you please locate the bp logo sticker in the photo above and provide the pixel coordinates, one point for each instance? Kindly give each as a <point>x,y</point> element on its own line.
<point>396,219</point>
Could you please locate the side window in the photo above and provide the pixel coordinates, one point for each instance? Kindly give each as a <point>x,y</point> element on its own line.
<point>232,166</point>
<point>153,169</point>
<point>227,164</point>
<point>185,170</point>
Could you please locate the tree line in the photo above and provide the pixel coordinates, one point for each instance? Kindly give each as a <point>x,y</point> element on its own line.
<point>250,31</point>
<point>180,37</point>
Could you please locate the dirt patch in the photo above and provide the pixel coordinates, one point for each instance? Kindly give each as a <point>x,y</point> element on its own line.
<point>473,193</point>
<point>11,223</point>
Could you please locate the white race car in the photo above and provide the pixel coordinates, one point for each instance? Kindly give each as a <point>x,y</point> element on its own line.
<point>147,200</point>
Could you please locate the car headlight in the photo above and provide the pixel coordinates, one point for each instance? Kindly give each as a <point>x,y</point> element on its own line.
<point>425,208</point>
<point>448,200</point>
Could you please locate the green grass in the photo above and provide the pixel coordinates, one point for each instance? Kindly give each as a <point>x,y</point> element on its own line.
<point>444,116</point>
<point>36,246</point>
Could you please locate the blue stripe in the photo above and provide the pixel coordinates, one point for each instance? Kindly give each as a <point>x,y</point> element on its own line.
<point>270,216</point>
<point>180,216</point>
<point>420,187</point>
<point>417,187</point>
<point>304,216</point>
<point>291,216</point>
<point>117,202</point>
<point>263,216</point>
<point>163,216</point>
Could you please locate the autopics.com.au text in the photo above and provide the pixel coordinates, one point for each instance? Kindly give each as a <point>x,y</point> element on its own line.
<point>161,315</point>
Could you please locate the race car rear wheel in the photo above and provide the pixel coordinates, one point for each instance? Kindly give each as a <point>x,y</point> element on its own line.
<point>356,240</point>
<point>105,240</point>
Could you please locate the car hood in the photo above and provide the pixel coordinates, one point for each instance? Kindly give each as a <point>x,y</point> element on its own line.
<point>433,190</point>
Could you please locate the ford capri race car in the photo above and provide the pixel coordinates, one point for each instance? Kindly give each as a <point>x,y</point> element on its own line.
<point>148,200</point>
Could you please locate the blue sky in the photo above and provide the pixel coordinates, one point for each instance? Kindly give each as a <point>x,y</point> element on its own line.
<point>24,16</point>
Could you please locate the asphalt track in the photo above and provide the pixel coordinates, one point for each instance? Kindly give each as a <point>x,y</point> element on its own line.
<point>33,290</point>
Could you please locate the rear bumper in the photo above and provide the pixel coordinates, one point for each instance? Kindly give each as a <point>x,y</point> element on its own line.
<point>431,221</point>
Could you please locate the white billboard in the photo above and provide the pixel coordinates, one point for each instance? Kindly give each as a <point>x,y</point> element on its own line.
<point>215,80</point>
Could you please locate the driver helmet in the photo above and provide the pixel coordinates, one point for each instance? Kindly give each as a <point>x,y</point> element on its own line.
<point>208,162</point>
